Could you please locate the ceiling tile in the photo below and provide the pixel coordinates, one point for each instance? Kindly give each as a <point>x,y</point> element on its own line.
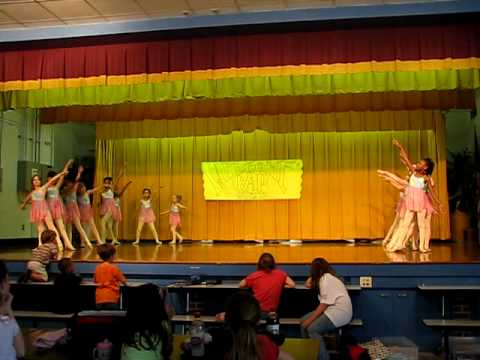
<point>89,20</point>
<point>116,7</point>
<point>205,7</point>
<point>308,4</point>
<point>127,17</point>
<point>45,23</point>
<point>164,7</point>
<point>11,26</point>
<point>260,5</point>
<point>27,12</point>
<point>71,9</point>
<point>5,19</point>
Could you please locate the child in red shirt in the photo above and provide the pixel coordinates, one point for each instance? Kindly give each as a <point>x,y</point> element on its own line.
<point>267,283</point>
<point>108,278</point>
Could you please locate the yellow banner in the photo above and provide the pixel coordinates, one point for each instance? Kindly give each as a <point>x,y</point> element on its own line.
<point>252,180</point>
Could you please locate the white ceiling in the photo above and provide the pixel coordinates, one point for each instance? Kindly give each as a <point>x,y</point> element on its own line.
<point>46,13</point>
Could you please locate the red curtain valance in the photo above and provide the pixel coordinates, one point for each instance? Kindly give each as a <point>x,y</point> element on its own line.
<point>238,51</point>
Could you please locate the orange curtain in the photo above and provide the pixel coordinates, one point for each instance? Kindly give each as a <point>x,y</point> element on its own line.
<point>342,197</point>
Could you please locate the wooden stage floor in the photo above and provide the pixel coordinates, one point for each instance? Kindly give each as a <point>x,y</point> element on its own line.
<point>248,253</point>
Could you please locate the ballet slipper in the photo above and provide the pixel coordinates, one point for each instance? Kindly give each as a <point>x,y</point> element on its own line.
<point>158,242</point>
<point>173,242</point>
<point>136,243</point>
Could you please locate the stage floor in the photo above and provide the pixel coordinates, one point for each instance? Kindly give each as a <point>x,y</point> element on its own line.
<point>248,253</point>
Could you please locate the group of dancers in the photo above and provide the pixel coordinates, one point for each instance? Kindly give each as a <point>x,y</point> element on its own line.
<point>62,203</point>
<point>418,202</point>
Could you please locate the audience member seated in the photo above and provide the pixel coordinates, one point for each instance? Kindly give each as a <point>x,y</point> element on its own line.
<point>11,339</point>
<point>240,338</point>
<point>41,257</point>
<point>67,289</point>
<point>335,308</point>
<point>108,278</point>
<point>148,334</point>
<point>267,283</point>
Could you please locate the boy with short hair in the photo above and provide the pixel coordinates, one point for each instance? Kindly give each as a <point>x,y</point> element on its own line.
<point>108,278</point>
<point>67,288</point>
<point>41,257</point>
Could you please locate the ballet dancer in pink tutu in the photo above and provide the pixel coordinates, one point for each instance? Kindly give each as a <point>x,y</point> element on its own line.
<point>400,184</point>
<point>56,208</point>
<point>117,216</point>
<point>72,216</point>
<point>86,211</point>
<point>420,203</point>
<point>175,220</point>
<point>146,216</point>
<point>39,213</point>
<point>109,209</point>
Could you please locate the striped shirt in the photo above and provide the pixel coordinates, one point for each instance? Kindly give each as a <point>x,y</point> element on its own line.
<point>44,253</point>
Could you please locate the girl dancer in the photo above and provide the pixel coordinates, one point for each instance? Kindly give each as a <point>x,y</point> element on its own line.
<point>420,203</point>
<point>175,220</point>
<point>39,214</point>
<point>73,212</point>
<point>401,185</point>
<point>55,205</point>
<point>117,215</point>
<point>146,216</point>
<point>108,209</point>
<point>86,211</point>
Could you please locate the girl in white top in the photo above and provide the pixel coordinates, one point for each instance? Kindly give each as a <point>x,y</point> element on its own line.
<point>146,216</point>
<point>335,308</point>
<point>11,343</point>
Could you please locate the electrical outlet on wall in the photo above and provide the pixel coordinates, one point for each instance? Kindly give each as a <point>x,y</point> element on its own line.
<point>366,282</point>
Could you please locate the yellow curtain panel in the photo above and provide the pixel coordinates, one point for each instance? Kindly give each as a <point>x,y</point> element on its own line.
<point>342,197</point>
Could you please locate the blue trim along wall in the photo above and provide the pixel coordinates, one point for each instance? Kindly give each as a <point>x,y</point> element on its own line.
<point>246,18</point>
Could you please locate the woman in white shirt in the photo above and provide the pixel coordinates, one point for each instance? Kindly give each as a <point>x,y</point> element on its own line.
<point>335,308</point>
<point>11,338</point>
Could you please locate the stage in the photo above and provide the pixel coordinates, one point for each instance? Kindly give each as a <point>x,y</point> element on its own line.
<point>229,253</point>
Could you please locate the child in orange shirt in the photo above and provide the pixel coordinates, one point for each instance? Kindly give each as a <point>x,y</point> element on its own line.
<point>108,278</point>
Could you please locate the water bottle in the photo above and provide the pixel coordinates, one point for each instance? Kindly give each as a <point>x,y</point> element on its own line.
<point>273,324</point>
<point>103,350</point>
<point>197,338</point>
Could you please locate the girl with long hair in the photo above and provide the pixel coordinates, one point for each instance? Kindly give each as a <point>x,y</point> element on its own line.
<point>241,318</point>
<point>148,333</point>
<point>174,218</point>
<point>39,213</point>
<point>335,308</point>
<point>421,203</point>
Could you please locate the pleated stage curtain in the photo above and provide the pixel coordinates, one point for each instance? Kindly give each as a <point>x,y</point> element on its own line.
<point>342,197</point>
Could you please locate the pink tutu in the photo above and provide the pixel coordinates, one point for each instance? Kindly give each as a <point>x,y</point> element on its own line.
<point>72,212</point>
<point>175,220</point>
<point>108,206</point>
<point>147,215</point>
<point>56,208</point>
<point>86,213</point>
<point>39,211</point>
<point>416,199</point>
